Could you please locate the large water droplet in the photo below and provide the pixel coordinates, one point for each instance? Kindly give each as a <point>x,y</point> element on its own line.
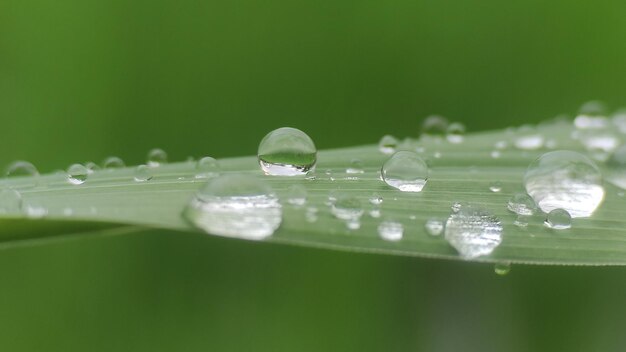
<point>558,219</point>
<point>236,206</point>
<point>10,201</point>
<point>566,180</point>
<point>21,168</point>
<point>143,173</point>
<point>388,144</point>
<point>113,162</point>
<point>435,125</point>
<point>405,171</point>
<point>390,230</point>
<point>434,227</point>
<point>473,232</point>
<point>522,204</point>
<point>77,174</point>
<point>287,152</point>
<point>156,157</point>
<point>207,167</point>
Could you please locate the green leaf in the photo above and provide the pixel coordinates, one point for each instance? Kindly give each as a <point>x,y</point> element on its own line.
<point>112,202</point>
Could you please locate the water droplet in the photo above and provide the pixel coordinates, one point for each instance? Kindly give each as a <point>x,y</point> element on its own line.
<point>529,142</point>
<point>10,201</point>
<point>473,232</point>
<point>565,180</point>
<point>376,199</point>
<point>495,154</point>
<point>113,162</point>
<point>207,167</point>
<point>34,209</point>
<point>239,206</point>
<point>434,227</point>
<point>501,145</point>
<point>287,152</point>
<point>455,132</point>
<point>599,140</point>
<point>375,212</point>
<point>522,204</point>
<point>388,144</point>
<point>356,167</point>
<point>619,120</point>
<point>311,214</point>
<point>92,167</point>
<point>77,174</point>
<point>21,168</point>
<point>143,173</point>
<point>297,195</point>
<point>156,157</point>
<point>435,125</point>
<point>348,209</point>
<point>521,221</point>
<point>456,206</point>
<point>405,171</point>
<point>558,219</point>
<point>495,186</point>
<point>390,230</point>
<point>591,115</point>
<point>502,268</point>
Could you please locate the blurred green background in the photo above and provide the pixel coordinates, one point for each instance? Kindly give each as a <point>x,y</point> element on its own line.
<point>81,80</point>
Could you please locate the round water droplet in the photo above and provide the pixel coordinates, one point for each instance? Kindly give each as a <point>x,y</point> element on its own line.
<point>473,232</point>
<point>297,195</point>
<point>495,186</point>
<point>207,167</point>
<point>522,204</point>
<point>599,140</point>
<point>619,120</point>
<point>10,201</point>
<point>501,145</point>
<point>77,174</point>
<point>388,144</point>
<point>239,206</point>
<point>311,214</point>
<point>495,154</point>
<point>21,168</point>
<point>565,180</point>
<point>113,162</point>
<point>376,199</point>
<point>390,230</point>
<point>405,171</point>
<point>34,209</point>
<point>435,125</point>
<point>356,167</point>
<point>348,209</point>
<point>455,132</point>
<point>375,212</point>
<point>592,115</point>
<point>92,167</point>
<point>434,227</point>
<point>558,219</point>
<point>529,142</point>
<point>502,268</point>
<point>143,173</point>
<point>287,152</point>
<point>156,157</point>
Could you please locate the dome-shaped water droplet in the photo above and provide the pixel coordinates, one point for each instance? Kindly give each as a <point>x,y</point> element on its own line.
<point>565,180</point>
<point>207,167</point>
<point>619,120</point>
<point>495,186</point>
<point>531,141</point>
<point>92,167</point>
<point>390,230</point>
<point>376,199</point>
<point>77,174</point>
<point>455,132</point>
<point>21,168</point>
<point>348,209</point>
<point>558,219</point>
<point>592,115</point>
<point>287,152</point>
<point>356,167</point>
<point>434,227</point>
<point>388,144</point>
<point>522,204</point>
<point>239,206</point>
<point>156,157</point>
<point>521,221</point>
<point>502,268</point>
<point>495,154</point>
<point>143,173</point>
<point>297,195</point>
<point>435,125</point>
<point>405,171</point>
<point>10,201</point>
<point>113,162</point>
<point>310,214</point>
<point>34,209</point>
<point>473,232</point>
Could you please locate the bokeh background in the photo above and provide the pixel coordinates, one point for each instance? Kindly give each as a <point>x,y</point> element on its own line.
<point>81,80</point>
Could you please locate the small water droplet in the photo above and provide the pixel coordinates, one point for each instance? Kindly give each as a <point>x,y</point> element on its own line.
<point>207,167</point>
<point>473,232</point>
<point>502,268</point>
<point>287,152</point>
<point>375,212</point>
<point>34,209</point>
<point>376,199</point>
<point>297,195</point>
<point>619,120</point>
<point>356,167</point>
<point>456,206</point>
<point>348,209</point>
<point>113,162</point>
<point>388,144</point>
<point>92,167</point>
<point>565,180</point>
<point>435,125</point>
<point>21,168</point>
<point>495,154</point>
<point>10,201</point>
<point>522,204</point>
<point>390,230</point>
<point>455,132</point>
<point>599,140</point>
<point>532,141</point>
<point>434,227</point>
<point>405,171</point>
<point>311,214</point>
<point>521,221</point>
<point>239,206</point>
<point>495,186</point>
<point>591,115</point>
<point>77,174</point>
<point>501,145</point>
<point>156,157</point>
<point>558,219</point>
<point>143,173</point>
